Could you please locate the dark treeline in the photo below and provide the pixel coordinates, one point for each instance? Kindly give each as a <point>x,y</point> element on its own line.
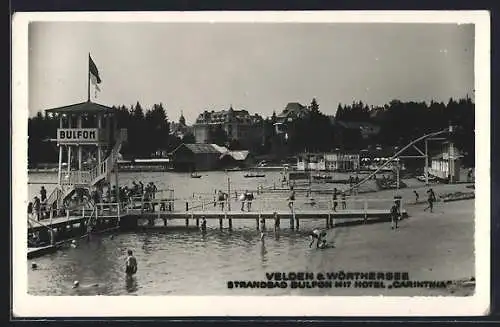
<point>399,123</point>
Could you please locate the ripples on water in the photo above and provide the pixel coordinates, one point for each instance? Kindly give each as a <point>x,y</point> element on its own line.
<point>182,262</point>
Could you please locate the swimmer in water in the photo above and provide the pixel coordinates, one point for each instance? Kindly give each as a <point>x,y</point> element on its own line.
<point>131,264</point>
<point>319,236</point>
<point>76,284</point>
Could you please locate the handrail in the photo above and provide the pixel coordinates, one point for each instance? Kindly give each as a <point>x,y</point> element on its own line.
<point>106,166</point>
<point>397,154</point>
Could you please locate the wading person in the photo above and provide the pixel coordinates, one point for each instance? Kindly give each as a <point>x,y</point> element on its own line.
<point>319,236</point>
<point>416,196</point>
<point>203,224</point>
<point>431,198</point>
<point>262,228</point>
<point>276,221</point>
<point>130,264</point>
<point>394,215</point>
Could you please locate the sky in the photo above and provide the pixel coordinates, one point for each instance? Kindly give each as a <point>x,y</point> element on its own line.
<point>260,67</point>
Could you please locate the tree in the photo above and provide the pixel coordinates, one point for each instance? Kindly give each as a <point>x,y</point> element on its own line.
<point>219,136</point>
<point>188,138</point>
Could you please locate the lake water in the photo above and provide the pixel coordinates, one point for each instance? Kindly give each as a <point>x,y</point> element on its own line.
<point>186,262</point>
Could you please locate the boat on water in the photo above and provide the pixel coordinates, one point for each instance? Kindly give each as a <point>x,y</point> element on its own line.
<point>322,177</point>
<point>195,175</point>
<point>254,175</point>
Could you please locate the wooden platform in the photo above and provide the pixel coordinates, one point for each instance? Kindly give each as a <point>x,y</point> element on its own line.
<point>40,251</point>
<point>282,214</point>
<point>217,214</point>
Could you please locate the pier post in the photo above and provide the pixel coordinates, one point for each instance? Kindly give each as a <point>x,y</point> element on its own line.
<point>230,223</point>
<point>297,222</point>
<point>332,220</point>
<point>187,206</point>
<point>292,218</point>
<point>165,222</point>
<point>197,222</point>
<point>366,211</point>
<point>328,221</point>
<point>257,221</point>
<point>220,223</point>
<point>187,222</point>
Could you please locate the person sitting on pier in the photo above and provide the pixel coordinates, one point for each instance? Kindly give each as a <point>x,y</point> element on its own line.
<point>291,198</point>
<point>130,264</point>
<point>431,199</point>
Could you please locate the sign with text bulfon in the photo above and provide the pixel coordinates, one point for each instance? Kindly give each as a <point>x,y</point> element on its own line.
<point>78,135</point>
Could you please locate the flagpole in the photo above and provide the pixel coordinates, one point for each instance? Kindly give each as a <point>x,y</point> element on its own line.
<point>88,79</point>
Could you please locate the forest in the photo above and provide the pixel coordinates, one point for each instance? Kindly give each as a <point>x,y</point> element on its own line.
<point>399,123</point>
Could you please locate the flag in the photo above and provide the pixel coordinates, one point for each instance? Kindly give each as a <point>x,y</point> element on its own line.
<point>94,74</point>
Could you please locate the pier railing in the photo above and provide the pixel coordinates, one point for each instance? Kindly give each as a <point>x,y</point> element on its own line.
<point>104,168</point>
<point>301,204</point>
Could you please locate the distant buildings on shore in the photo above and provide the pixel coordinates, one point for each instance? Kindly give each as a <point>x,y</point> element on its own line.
<point>237,125</point>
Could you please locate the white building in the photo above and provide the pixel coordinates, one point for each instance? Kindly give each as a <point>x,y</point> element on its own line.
<point>446,164</point>
<point>337,161</point>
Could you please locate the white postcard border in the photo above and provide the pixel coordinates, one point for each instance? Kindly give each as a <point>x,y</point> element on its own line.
<point>72,306</point>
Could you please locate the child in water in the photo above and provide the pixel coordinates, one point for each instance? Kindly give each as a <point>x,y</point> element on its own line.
<point>131,264</point>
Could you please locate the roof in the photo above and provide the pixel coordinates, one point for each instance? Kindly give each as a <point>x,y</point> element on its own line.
<point>220,149</point>
<point>237,155</point>
<point>83,107</point>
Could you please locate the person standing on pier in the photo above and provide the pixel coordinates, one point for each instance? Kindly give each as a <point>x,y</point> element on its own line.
<point>243,197</point>
<point>43,194</point>
<point>36,206</point>
<point>154,189</point>
<point>249,197</point>
<point>221,199</point>
<point>335,203</point>
<point>130,264</point>
<point>291,198</point>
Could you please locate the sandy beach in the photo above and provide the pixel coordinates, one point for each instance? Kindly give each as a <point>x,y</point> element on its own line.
<point>437,246</point>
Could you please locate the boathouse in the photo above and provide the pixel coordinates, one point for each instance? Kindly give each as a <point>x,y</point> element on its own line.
<point>237,159</point>
<point>196,157</point>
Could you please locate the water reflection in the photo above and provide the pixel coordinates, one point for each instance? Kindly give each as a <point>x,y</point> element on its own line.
<point>263,253</point>
<point>131,284</point>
